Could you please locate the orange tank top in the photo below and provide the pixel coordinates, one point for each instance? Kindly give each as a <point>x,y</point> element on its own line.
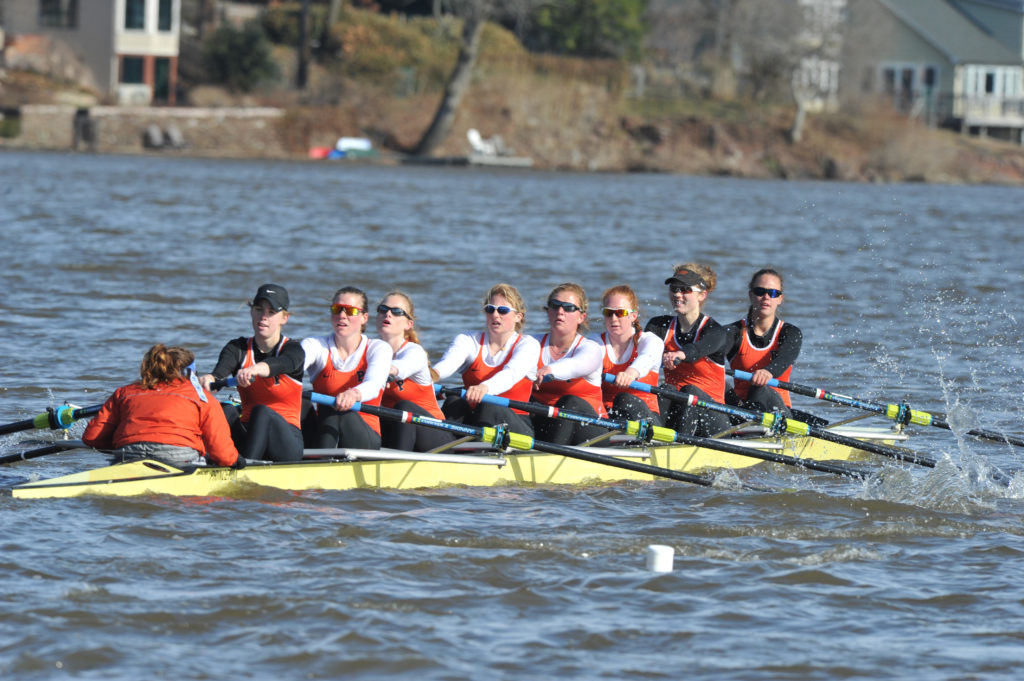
<point>281,393</point>
<point>331,381</point>
<point>750,359</point>
<point>610,390</point>
<point>478,372</point>
<point>552,389</point>
<point>702,373</point>
<point>417,393</point>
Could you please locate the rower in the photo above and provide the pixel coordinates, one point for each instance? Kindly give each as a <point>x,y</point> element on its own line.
<point>629,355</point>
<point>268,369</point>
<point>695,345</point>
<point>568,369</point>
<point>763,346</point>
<point>352,367</point>
<point>498,361</point>
<point>410,387</point>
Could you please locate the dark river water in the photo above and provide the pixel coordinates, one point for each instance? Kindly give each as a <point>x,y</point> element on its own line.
<point>905,292</point>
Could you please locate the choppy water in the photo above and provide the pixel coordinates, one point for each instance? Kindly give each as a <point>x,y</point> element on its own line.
<point>902,292</point>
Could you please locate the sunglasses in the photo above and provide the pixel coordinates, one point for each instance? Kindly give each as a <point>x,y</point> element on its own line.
<point>770,292</point>
<point>395,311</point>
<point>500,309</point>
<point>350,310</point>
<point>568,307</point>
<point>616,311</point>
<point>685,289</point>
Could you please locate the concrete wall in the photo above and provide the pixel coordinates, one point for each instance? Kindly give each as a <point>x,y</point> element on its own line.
<point>238,133</point>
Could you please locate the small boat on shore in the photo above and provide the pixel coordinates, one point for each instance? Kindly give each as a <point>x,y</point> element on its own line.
<point>472,464</point>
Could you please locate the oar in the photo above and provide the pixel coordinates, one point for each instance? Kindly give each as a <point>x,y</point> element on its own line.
<point>900,413</point>
<point>43,451</point>
<point>646,431</point>
<point>502,438</point>
<point>54,418</point>
<point>778,423</point>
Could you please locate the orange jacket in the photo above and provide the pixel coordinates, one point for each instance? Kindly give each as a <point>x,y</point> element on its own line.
<point>170,414</point>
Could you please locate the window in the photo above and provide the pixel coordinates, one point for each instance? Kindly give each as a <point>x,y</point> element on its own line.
<point>132,69</point>
<point>162,79</point>
<point>889,81</point>
<point>135,14</point>
<point>929,77</point>
<point>58,13</point>
<point>165,15</point>
<point>990,82</point>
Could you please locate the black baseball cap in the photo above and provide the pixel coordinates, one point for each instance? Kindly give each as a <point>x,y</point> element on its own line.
<point>686,278</point>
<point>275,294</point>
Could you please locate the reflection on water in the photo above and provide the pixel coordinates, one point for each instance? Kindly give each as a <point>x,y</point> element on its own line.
<point>902,292</point>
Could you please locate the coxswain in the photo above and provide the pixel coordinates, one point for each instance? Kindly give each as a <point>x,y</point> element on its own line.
<point>166,415</point>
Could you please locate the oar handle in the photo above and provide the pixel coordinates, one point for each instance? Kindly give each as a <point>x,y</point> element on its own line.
<point>229,382</point>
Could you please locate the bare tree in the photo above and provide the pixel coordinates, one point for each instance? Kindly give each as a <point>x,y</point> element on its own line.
<point>474,14</point>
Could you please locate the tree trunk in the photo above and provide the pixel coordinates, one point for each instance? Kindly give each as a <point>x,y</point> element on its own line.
<point>302,72</point>
<point>333,10</point>
<point>796,132</point>
<point>456,87</point>
<point>204,17</point>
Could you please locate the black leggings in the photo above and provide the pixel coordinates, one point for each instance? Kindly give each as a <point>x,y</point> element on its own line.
<point>266,436</point>
<point>343,429</point>
<point>562,431</point>
<point>688,420</point>
<point>760,398</point>
<point>632,408</point>
<point>410,437</point>
<point>457,409</point>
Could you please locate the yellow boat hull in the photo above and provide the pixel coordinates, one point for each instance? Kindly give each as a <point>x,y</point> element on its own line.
<point>377,470</point>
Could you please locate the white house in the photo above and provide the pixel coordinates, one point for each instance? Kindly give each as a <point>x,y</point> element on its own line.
<point>125,49</point>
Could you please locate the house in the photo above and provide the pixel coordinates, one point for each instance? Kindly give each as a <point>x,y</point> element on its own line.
<point>957,63</point>
<point>123,49</point>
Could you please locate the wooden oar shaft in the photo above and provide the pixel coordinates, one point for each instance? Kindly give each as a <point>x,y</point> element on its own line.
<point>896,412</point>
<point>666,435</point>
<point>521,442</point>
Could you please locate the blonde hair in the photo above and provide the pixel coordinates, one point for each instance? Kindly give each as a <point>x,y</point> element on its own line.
<point>511,294</point>
<point>581,295</point>
<point>162,364</point>
<point>634,303</point>
<point>410,333</point>
<point>704,271</point>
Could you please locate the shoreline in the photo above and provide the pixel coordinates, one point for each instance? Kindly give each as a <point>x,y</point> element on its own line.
<point>899,153</point>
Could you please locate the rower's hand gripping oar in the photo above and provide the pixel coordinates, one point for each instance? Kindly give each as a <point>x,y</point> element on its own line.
<point>778,424</point>
<point>648,432</point>
<point>54,418</point>
<point>900,413</point>
<point>503,439</point>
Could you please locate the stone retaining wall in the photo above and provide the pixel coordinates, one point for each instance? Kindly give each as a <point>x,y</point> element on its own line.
<point>250,132</point>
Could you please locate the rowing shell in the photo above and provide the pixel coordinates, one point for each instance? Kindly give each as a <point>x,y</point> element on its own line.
<point>342,469</point>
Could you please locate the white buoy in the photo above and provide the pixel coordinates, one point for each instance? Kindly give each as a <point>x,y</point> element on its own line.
<point>660,557</point>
